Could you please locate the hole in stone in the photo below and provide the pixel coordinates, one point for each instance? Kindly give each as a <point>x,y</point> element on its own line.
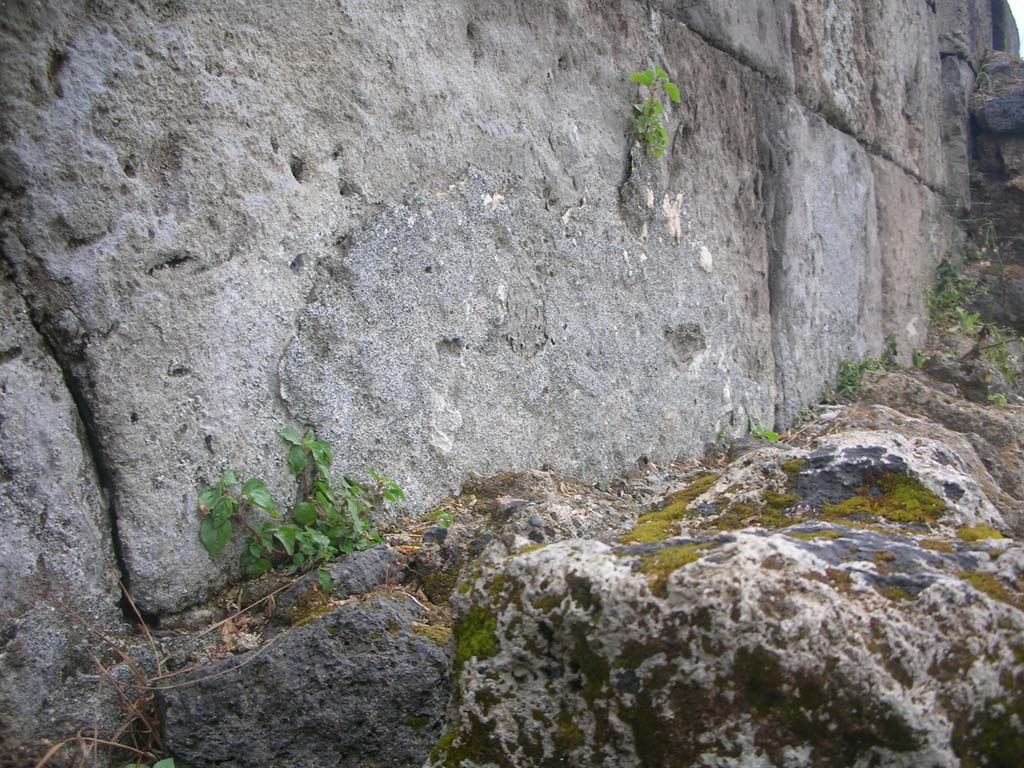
<point>58,59</point>
<point>298,168</point>
<point>134,418</point>
<point>296,265</point>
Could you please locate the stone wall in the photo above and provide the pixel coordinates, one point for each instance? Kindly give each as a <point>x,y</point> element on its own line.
<point>425,230</point>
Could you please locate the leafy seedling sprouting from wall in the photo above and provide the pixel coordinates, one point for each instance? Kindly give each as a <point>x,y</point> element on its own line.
<point>328,521</point>
<point>650,131</point>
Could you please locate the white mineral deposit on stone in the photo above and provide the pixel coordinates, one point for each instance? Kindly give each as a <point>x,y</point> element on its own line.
<point>706,262</point>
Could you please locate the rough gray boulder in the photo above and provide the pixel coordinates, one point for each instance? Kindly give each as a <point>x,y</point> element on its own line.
<point>819,645</point>
<point>994,433</point>
<point>1004,114</point>
<point>353,687</point>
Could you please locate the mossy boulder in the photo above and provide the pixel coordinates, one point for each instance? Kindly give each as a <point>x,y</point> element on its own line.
<point>817,644</point>
<point>864,478</point>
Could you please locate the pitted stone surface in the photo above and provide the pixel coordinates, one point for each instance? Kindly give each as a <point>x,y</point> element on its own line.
<point>755,649</point>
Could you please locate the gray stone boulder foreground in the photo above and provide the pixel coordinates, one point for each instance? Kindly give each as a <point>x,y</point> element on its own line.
<point>351,685</point>
<point>851,604</point>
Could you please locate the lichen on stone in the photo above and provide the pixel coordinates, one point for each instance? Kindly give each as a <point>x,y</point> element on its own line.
<point>667,561</point>
<point>973,533</point>
<point>475,635</point>
<point>436,633</point>
<point>662,524</point>
<point>896,497</point>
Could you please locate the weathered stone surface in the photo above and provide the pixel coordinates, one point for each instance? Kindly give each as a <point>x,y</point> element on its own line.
<point>995,433</point>
<point>818,646</point>
<point>357,686</point>
<point>825,276</point>
<point>1001,298</point>
<point>1005,32</point>
<point>354,574</point>
<point>232,217</point>
<point>957,87</point>
<point>914,231</point>
<point>998,172</point>
<point>58,576</point>
<point>1004,114</point>
<point>891,102</point>
<point>971,30</point>
<point>757,33</point>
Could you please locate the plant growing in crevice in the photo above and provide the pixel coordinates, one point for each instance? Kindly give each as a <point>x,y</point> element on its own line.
<point>650,131</point>
<point>326,522</point>
<point>758,430</point>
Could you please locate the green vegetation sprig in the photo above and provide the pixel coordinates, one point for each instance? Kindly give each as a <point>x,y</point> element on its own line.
<point>327,522</point>
<point>650,131</point>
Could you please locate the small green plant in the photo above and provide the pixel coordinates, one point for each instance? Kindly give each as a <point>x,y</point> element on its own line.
<point>983,80</point>
<point>920,358</point>
<point>998,399</point>
<point>165,763</point>
<point>758,430</point>
<point>996,350</point>
<point>851,374</point>
<point>968,323</point>
<point>444,519</point>
<point>650,131</point>
<point>327,521</point>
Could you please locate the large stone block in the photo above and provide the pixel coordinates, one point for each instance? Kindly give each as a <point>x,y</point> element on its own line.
<point>957,85</point>
<point>825,274</point>
<point>757,33</point>
<point>872,69</point>
<point>915,231</point>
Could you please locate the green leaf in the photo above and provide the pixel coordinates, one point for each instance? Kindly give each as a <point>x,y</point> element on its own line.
<point>258,568</point>
<point>167,762</point>
<point>291,435</point>
<point>214,534</point>
<point>286,535</point>
<point>258,495</point>
<point>325,580</point>
<point>297,459</point>
<point>206,498</point>
<point>229,478</point>
<point>304,513</point>
<point>672,91</point>
<point>643,78</point>
<point>660,73</point>
<point>321,455</point>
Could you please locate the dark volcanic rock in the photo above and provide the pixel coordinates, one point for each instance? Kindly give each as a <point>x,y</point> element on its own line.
<point>1004,115</point>
<point>355,687</point>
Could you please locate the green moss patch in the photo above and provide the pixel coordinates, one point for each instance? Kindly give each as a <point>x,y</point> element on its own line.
<point>993,587</point>
<point>669,560</point>
<point>435,633</point>
<point>827,533</point>
<point>971,534</point>
<point>895,497</point>
<point>475,636</point>
<point>310,605</point>
<point>662,524</point>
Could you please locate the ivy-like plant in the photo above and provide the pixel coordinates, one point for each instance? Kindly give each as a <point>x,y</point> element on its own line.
<point>650,132</point>
<point>327,522</point>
